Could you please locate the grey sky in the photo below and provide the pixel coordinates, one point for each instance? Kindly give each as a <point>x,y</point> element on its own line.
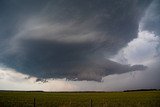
<point>81,41</point>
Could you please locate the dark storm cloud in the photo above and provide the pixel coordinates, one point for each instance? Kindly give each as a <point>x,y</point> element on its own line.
<point>74,61</point>
<point>68,39</point>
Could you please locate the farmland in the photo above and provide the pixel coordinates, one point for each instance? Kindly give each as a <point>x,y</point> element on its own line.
<point>79,99</point>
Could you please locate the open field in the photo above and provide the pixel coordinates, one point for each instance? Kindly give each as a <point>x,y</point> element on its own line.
<point>93,99</point>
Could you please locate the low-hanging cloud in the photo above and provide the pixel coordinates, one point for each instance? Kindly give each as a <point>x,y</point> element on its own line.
<point>69,39</point>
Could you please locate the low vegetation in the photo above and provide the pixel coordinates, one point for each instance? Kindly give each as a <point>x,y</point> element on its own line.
<point>79,99</point>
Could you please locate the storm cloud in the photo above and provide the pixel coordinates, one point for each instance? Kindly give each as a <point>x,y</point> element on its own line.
<point>68,39</point>
<point>151,20</point>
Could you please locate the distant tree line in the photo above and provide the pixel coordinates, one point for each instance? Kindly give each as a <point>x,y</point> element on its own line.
<point>141,90</point>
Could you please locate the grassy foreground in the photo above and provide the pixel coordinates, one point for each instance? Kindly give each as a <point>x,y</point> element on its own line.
<point>108,99</point>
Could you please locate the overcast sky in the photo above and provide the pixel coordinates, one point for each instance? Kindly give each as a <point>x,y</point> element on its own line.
<point>77,45</point>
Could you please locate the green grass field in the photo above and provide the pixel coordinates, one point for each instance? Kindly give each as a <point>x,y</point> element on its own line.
<point>108,99</point>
